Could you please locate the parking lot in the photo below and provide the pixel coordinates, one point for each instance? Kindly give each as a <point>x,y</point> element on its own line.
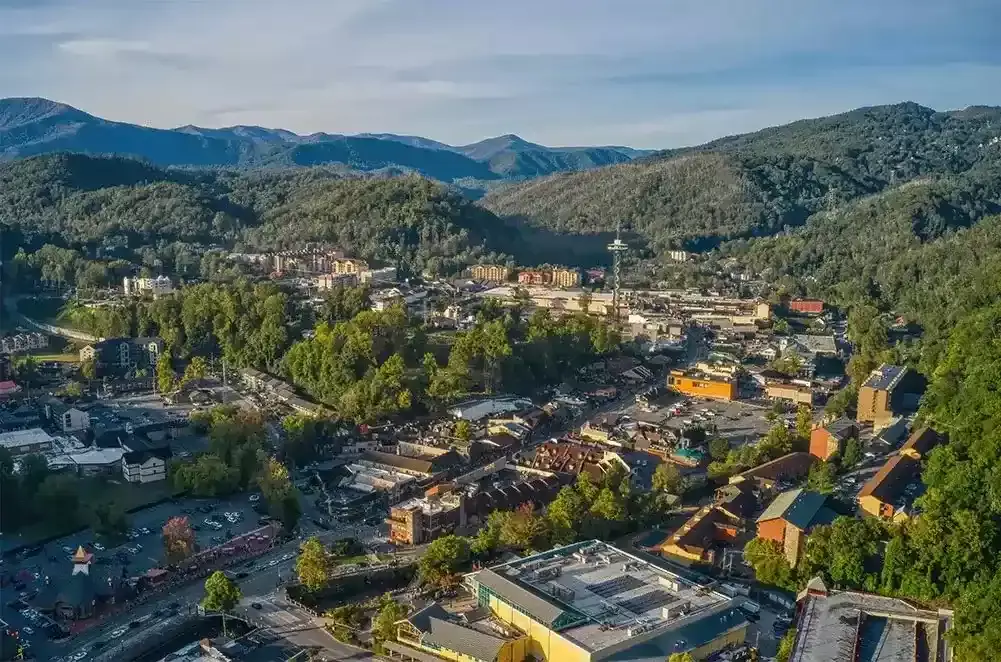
<point>737,422</point>
<point>143,550</point>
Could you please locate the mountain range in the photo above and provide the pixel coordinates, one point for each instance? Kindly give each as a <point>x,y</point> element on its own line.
<point>32,126</point>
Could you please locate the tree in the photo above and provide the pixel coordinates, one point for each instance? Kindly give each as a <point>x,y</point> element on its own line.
<point>610,510</point>
<point>462,430</point>
<point>194,371</point>
<point>681,657</point>
<point>384,623</point>
<point>221,593</point>
<point>313,565</point>
<point>109,521</point>
<point>786,645</point>
<point>88,369</point>
<point>567,515</point>
<point>25,369</point>
<point>280,494</point>
<point>443,557</point>
<point>58,498</point>
<point>842,402</point>
<point>769,563</point>
<point>488,538</point>
<point>207,476</point>
<point>776,442</point>
<point>821,477</point>
<point>525,530</point>
<point>804,422</point>
<point>853,453</point>
<point>165,378</point>
<point>178,539</point>
<point>719,449</point>
<point>667,478</point>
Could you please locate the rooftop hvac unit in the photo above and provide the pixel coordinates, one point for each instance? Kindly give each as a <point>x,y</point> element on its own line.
<point>670,583</point>
<point>676,610</point>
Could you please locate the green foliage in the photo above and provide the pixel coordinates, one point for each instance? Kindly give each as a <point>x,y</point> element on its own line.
<point>166,379</point>
<point>719,449</point>
<point>681,657</point>
<point>667,478</point>
<point>462,430</point>
<point>221,593</point>
<point>384,623</point>
<point>822,477</point>
<point>442,559</point>
<point>109,521</point>
<point>345,622</point>
<point>846,553</point>
<point>769,563</point>
<point>313,565</point>
<point>852,454</point>
<point>843,402</point>
<point>786,645</point>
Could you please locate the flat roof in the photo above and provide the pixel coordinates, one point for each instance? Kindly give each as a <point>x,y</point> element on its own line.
<point>885,377</point>
<point>29,437</point>
<point>882,629</point>
<point>596,595</point>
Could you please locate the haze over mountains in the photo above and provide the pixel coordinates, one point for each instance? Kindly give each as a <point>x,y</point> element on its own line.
<point>31,126</point>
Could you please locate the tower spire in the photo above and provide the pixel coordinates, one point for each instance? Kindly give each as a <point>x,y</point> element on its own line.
<point>617,248</point>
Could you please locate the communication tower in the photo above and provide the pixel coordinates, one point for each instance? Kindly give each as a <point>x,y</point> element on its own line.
<point>617,248</point>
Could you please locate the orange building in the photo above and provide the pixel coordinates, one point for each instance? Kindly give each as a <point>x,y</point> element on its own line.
<point>702,385</point>
<point>829,439</point>
<point>790,518</point>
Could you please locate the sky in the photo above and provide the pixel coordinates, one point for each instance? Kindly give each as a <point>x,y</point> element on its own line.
<point>644,73</point>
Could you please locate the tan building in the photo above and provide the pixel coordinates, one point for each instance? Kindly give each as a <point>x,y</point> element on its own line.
<point>802,395</point>
<point>494,273</point>
<point>885,494</point>
<point>566,277</point>
<point>348,266</point>
<point>422,520</point>
<point>889,390</point>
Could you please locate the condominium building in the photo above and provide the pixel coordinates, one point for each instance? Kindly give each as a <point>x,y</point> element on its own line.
<point>494,273</point>
<point>348,266</point>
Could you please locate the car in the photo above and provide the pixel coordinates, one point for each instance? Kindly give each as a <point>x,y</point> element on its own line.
<point>99,547</point>
<point>117,632</point>
<point>138,547</point>
<point>27,629</point>
<point>145,531</point>
<point>256,605</point>
<point>242,575</point>
<point>79,655</point>
<point>255,497</point>
<point>135,624</point>
<point>68,549</point>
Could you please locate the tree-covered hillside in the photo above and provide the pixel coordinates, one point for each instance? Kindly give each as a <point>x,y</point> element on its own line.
<point>759,183</point>
<point>115,203</point>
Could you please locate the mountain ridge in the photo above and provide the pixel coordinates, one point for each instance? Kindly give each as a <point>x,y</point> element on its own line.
<point>31,126</point>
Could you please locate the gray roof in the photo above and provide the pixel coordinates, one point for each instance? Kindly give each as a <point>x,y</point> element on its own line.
<point>537,607</point>
<point>842,428</point>
<point>461,639</point>
<point>885,377</point>
<point>421,619</point>
<point>816,344</point>
<point>799,507</point>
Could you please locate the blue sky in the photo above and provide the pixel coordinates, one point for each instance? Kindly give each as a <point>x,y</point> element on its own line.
<point>646,73</point>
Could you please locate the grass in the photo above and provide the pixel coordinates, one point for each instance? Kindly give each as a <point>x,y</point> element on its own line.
<point>64,357</point>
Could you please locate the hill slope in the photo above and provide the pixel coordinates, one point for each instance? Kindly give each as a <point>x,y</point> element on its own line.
<point>123,207</point>
<point>759,183</point>
<point>30,126</point>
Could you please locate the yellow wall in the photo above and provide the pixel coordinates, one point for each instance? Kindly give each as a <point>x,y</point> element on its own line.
<point>731,638</point>
<point>543,643</point>
<point>703,388</point>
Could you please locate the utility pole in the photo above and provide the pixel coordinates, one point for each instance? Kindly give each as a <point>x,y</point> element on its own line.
<point>617,248</point>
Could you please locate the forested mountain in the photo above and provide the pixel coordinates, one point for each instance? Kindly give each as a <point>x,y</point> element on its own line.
<point>756,184</point>
<point>116,203</point>
<point>38,126</point>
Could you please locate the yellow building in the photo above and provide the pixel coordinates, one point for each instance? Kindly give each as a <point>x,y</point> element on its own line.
<point>490,272</point>
<point>348,266</point>
<point>702,385</point>
<point>433,630</point>
<point>590,601</point>
<point>566,277</point>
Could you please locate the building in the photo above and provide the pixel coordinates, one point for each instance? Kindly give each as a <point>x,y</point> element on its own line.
<point>324,282</point>
<point>566,278</point>
<point>423,466</point>
<point>348,266</point>
<point>89,462</point>
<point>679,255</point>
<point>773,475</point>
<point>123,354</point>
<point>590,601</point>
<point>790,517</point>
<point>830,439</point>
<point>444,635</point>
<point>703,385</point>
<point>696,539</point>
<point>77,597</point>
<point>794,393</point>
<point>849,625</point>
<point>493,273</point>
<point>157,286</point>
<point>66,418</point>
<point>379,276</point>
<point>146,466</point>
<point>23,342</point>
<point>885,495</point>
<point>889,390</point>
<point>807,306</point>
<point>416,521</point>
<point>535,277</point>
<point>23,442</point>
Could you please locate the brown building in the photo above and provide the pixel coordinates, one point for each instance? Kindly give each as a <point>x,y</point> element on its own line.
<point>802,395</point>
<point>772,475</point>
<point>719,522</point>
<point>790,517</point>
<point>885,494</point>
<point>416,521</point>
<point>889,390</point>
<point>495,273</point>
<point>826,440</point>
<point>348,266</point>
<point>535,277</point>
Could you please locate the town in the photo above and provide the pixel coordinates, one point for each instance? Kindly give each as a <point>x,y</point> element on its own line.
<point>706,443</point>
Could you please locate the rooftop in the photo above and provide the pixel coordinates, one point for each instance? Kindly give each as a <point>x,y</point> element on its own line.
<point>801,508</point>
<point>885,377</point>
<point>834,625</point>
<point>596,595</point>
<point>19,438</point>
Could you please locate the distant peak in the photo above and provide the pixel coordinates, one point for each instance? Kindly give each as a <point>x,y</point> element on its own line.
<point>22,110</point>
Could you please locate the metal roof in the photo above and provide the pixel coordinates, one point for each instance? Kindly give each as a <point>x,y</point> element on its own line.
<point>885,377</point>
<point>799,507</point>
<point>461,639</point>
<point>537,607</point>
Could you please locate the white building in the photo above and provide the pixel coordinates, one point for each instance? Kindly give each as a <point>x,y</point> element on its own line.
<point>156,286</point>
<point>145,466</point>
<point>376,276</point>
<point>66,417</point>
<point>22,442</point>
